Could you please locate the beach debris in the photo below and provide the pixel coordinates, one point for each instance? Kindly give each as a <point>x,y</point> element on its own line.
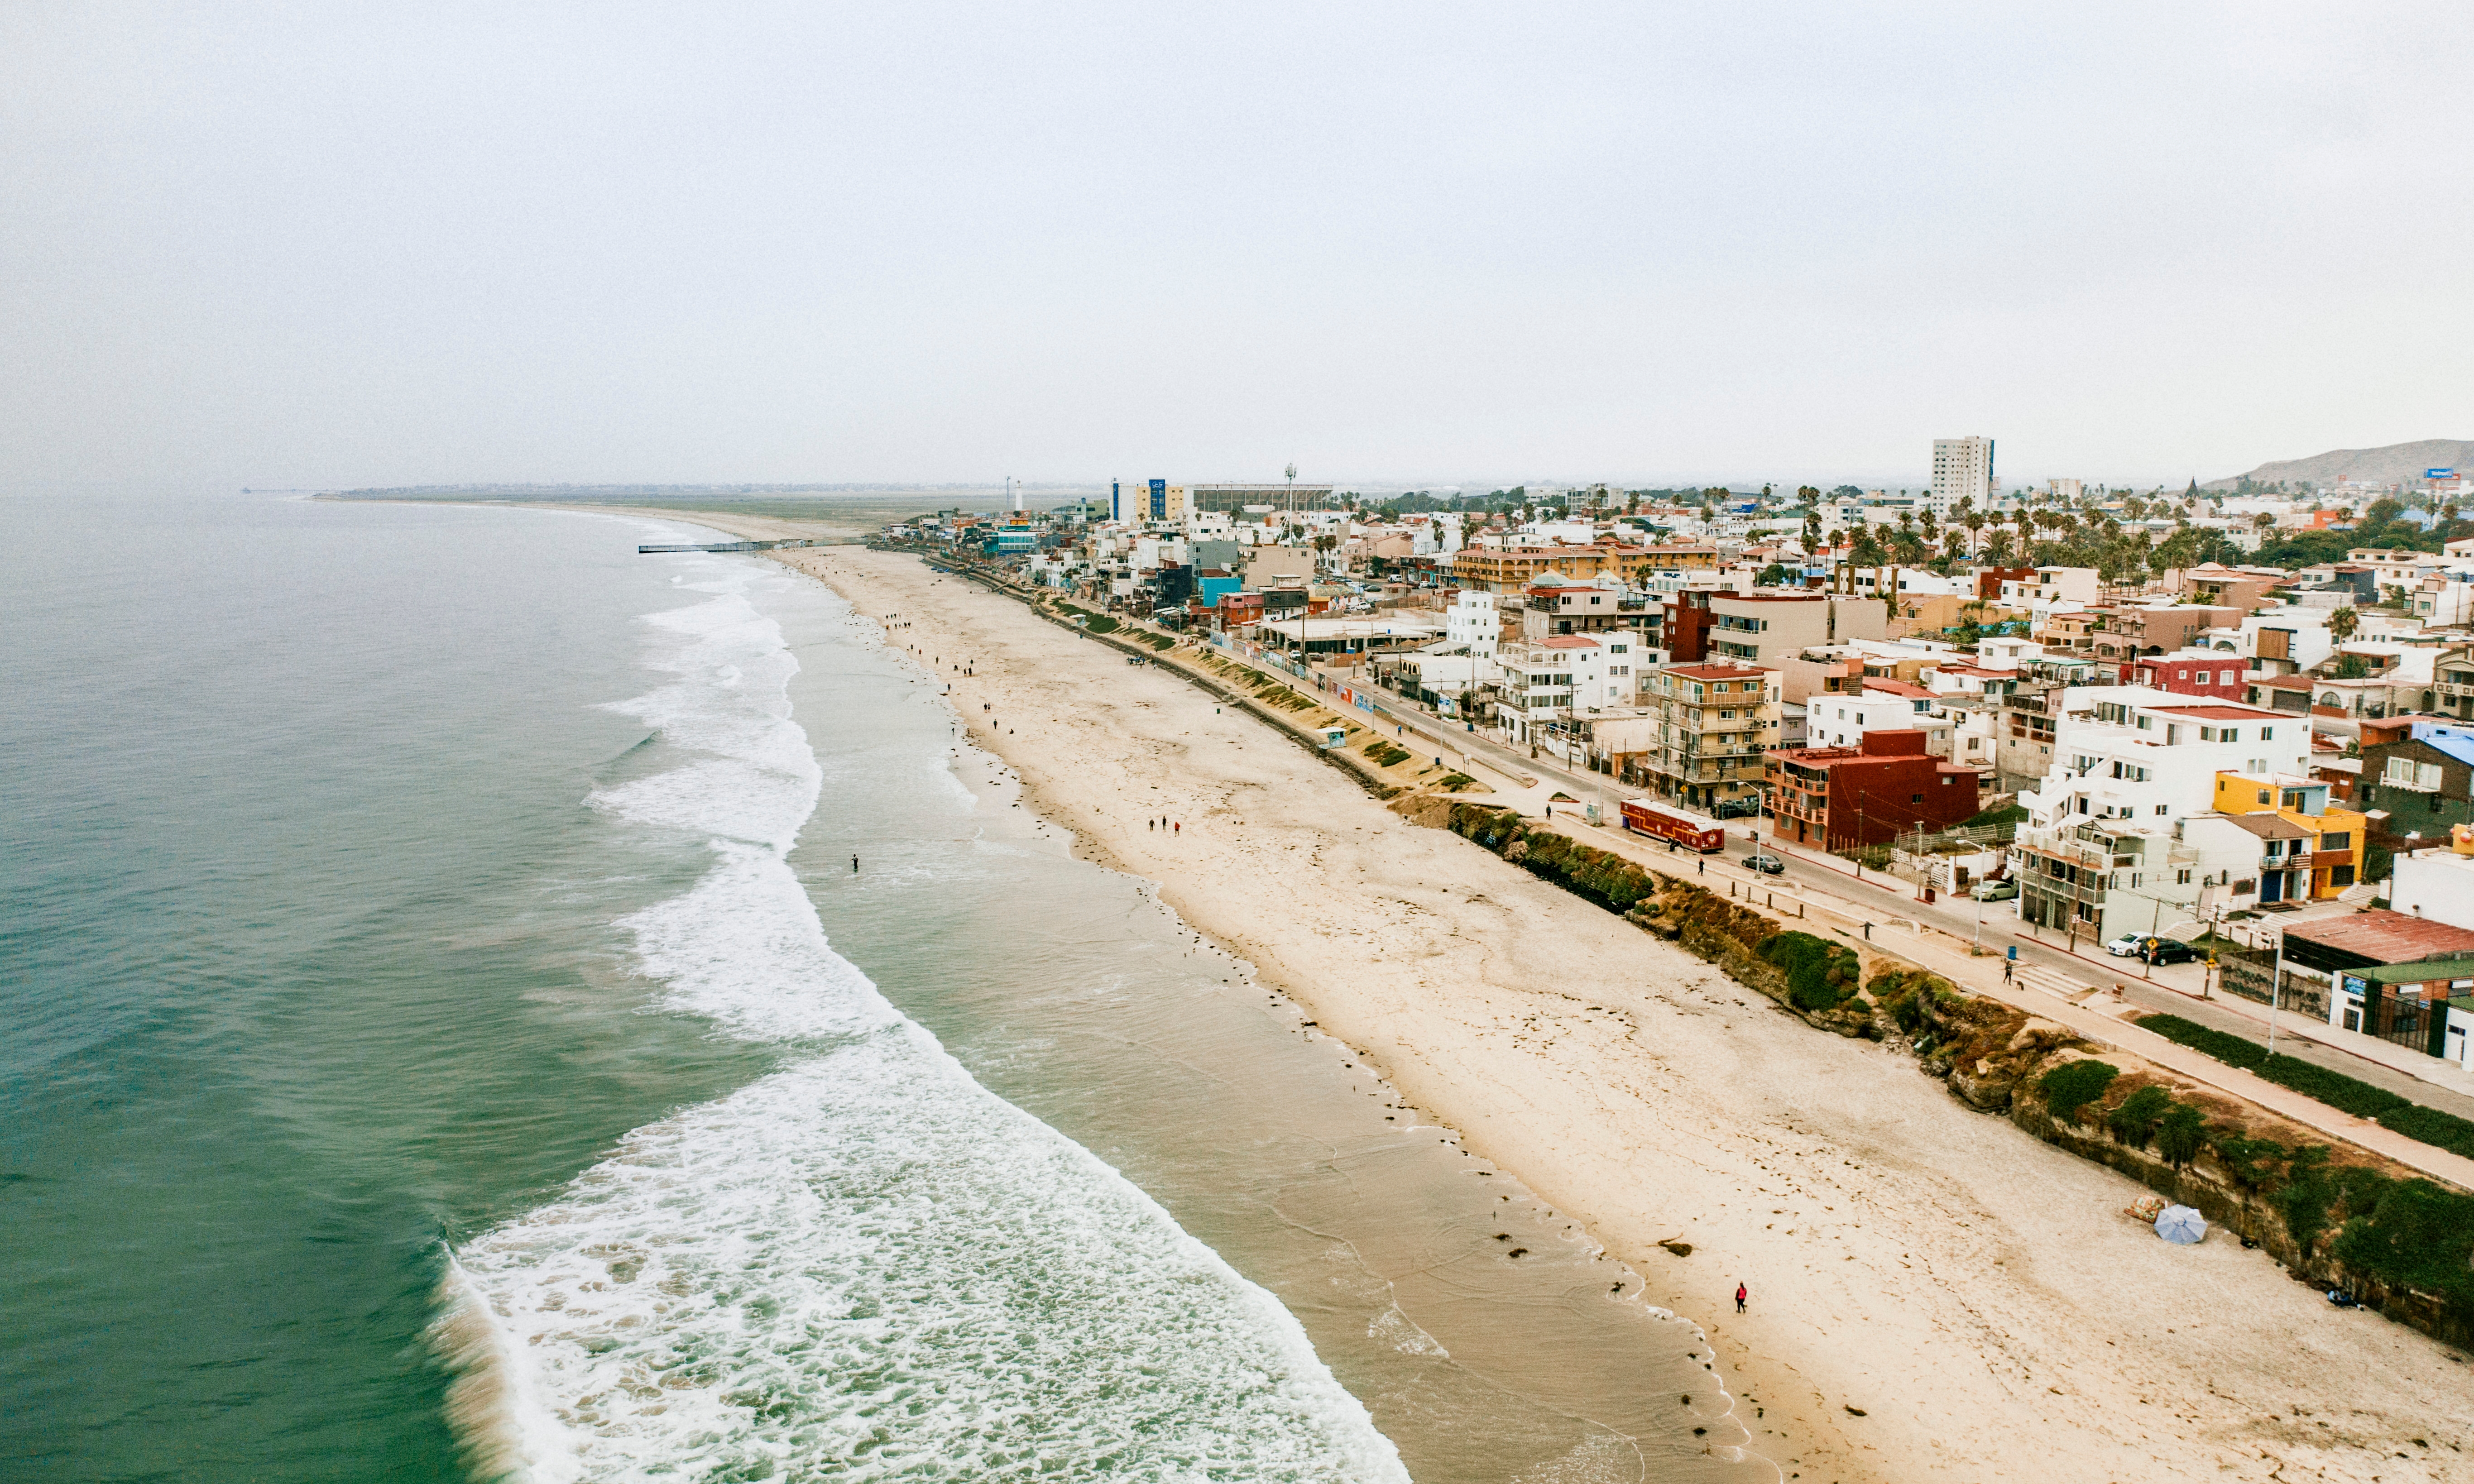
<point>1678,1245</point>
<point>1855,1411</point>
<point>1518,1251</point>
<point>2146,1209</point>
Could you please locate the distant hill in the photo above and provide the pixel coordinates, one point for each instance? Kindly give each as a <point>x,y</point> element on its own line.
<point>2398,461</point>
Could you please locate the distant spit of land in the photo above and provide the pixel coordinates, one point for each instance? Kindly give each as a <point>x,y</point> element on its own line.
<point>843,506</point>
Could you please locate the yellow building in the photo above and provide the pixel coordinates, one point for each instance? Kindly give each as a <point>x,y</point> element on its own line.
<point>1512,569</point>
<point>2330,844</point>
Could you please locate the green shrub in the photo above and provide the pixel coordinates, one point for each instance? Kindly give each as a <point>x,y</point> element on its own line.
<point>2073,1085</point>
<point>2251,1162</point>
<point>1819,973</point>
<point>2414,1234</point>
<point>2231,1050</point>
<point>2134,1122</point>
<point>2444,1130</point>
<point>1100,623</point>
<point>2181,1133</point>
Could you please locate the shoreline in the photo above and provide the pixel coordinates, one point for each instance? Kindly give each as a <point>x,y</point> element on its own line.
<point>1965,1303</point>
<point>1531,1074</point>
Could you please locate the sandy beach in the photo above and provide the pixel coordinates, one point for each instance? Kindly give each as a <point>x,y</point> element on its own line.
<point>1933,1294</point>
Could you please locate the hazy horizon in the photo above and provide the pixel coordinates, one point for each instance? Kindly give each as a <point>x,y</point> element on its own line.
<point>255,247</point>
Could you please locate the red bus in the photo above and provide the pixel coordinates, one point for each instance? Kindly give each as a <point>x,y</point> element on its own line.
<point>1665,821</point>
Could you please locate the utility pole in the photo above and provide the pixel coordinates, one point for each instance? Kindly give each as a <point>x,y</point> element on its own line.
<point>1293,486</point>
<point>2276,990</point>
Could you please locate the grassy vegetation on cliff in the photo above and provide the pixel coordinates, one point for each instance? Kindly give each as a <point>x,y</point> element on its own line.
<point>1820,974</point>
<point>2073,1085</point>
<point>1602,876</point>
<point>2347,1094</point>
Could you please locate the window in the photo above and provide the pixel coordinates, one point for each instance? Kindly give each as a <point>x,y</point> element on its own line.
<point>1915,798</point>
<point>2268,734</point>
<point>2182,877</point>
<point>2263,796</point>
<point>2167,808</point>
<point>2340,875</point>
<point>2337,839</point>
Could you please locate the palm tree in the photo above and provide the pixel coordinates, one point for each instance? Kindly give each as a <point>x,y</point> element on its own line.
<point>1975,524</point>
<point>2342,622</point>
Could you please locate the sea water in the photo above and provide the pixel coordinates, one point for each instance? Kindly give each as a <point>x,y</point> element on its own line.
<point>454,1038</point>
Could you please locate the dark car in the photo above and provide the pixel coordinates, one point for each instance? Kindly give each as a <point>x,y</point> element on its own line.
<point>1733,809</point>
<point>1767,866</point>
<point>2165,950</point>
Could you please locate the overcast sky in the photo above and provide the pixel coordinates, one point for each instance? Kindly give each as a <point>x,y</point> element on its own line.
<point>333,245</point>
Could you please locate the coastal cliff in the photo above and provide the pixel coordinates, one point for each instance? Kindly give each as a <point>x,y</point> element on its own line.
<point>2335,1217</point>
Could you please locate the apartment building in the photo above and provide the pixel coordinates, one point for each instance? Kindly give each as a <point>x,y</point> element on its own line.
<point>1717,723</point>
<point>1472,623</point>
<point>1962,469</point>
<point>2100,853</point>
<point>1888,782</point>
<point>1768,629</point>
<point>1492,568</point>
<point>1549,683</point>
<point>1549,609</point>
<point>1882,705</point>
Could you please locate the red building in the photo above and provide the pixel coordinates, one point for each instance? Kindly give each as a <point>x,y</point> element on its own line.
<point>1830,797</point>
<point>2192,673</point>
<point>1989,579</point>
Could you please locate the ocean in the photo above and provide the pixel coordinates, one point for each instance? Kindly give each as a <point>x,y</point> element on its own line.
<point>491,1005</point>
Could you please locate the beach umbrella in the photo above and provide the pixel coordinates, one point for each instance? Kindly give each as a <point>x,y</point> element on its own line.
<point>2181,1226</point>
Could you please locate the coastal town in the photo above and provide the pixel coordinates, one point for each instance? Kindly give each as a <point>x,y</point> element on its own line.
<point>2221,738</point>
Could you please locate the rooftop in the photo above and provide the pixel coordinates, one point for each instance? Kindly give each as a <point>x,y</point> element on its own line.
<point>2219,712</point>
<point>1717,672</point>
<point>2416,973</point>
<point>2387,937</point>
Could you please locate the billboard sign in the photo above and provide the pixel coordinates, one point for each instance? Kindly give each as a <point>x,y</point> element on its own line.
<point>2439,474</point>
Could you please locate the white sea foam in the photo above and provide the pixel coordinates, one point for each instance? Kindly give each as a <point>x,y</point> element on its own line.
<point>865,1265</point>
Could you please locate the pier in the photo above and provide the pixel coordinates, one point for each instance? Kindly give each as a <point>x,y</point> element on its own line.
<point>740,546</point>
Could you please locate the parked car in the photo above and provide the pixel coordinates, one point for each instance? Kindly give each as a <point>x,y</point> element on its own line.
<point>2164,950</point>
<point>1996,890</point>
<point>1767,866</point>
<point>1735,808</point>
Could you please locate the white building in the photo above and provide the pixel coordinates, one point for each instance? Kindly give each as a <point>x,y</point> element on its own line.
<point>1962,470</point>
<point>2069,491</point>
<point>2100,851</point>
<point>1472,623</point>
<point>1837,720</point>
<point>1551,681</point>
<point>2435,883</point>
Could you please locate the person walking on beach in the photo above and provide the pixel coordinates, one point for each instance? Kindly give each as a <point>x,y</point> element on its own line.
<point>854,866</point>
<point>1741,1294</point>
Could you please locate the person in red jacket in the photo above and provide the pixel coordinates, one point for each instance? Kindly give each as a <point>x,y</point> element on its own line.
<point>1741,1294</point>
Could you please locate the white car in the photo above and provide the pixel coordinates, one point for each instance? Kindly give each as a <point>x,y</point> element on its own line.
<point>2126,945</point>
